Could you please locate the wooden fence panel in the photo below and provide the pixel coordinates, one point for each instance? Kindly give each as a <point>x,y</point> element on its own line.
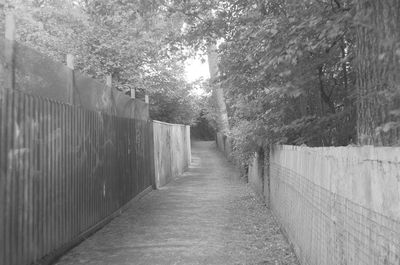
<point>171,151</point>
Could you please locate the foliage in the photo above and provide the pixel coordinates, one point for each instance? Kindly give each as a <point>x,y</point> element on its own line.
<point>286,67</point>
<point>127,39</point>
<point>202,129</point>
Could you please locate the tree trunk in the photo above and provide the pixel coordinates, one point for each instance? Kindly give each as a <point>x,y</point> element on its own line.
<point>378,67</point>
<point>218,93</point>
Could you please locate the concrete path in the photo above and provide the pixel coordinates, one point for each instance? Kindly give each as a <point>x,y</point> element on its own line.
<point>206,216</point>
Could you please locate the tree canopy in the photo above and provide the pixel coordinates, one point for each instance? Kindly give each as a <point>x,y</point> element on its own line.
<point>289,68</point>
<point>128,40</point>
<point>291,71</point>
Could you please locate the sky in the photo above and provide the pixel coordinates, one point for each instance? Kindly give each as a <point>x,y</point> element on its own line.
<point>195,69</point>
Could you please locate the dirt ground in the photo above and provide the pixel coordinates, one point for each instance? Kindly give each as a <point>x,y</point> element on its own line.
<point>206,216</point>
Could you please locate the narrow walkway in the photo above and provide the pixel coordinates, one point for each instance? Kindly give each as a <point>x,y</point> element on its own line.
<point>206,216</point>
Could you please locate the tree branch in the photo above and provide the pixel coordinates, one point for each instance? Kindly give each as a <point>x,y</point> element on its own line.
<point>324,96</point>
<point>337,3</point>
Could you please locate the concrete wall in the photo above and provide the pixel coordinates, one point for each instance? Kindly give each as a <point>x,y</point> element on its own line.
<point>172,152</point>
<point>338,205</point>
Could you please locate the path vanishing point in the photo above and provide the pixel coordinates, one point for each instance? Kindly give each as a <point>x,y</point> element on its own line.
<point>206,216</point>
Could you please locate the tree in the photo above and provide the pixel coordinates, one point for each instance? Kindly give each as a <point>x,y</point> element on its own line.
<point>126,39</point>
<point>201,34</point>
<point>378,66</point>
<point>286,68</point>
<point>218,92</point>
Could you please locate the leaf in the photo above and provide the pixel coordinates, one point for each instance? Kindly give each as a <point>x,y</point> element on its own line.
<point>294,92</point>
<point>395,112</point>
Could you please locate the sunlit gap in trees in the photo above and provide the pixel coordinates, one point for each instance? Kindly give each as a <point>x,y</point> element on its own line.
<point>196,70</point>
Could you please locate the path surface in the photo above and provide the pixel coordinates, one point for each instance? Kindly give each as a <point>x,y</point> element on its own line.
<point>205,216</point>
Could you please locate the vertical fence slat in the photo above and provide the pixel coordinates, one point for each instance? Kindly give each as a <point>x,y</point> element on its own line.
<point>88,184</point>
<point>47,176</point>
<point>35,185</point>
<point>101,149</point>
<point>42,184</point>
<point>74,169</point>
<point>18,148</point>
<point>59,174</point>
<point>85,190</point>
<point>9,197</point>
<point>68,177</point>
<point>27,178</point>
<point>14,183</point>
<point>3,165</point>
<point>71,173</point>
<point>25,121</point>
<point>81,217</point>
<point>53,176</point>
<point>63,173</point>
<point>7,148</point>
<point>92,177</point>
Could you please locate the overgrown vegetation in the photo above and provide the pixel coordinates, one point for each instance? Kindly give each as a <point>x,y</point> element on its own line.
<point>128,40</point>
<point>288,67</point>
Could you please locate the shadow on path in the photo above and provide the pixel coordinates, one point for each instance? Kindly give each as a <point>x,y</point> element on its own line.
<point>205,216</point>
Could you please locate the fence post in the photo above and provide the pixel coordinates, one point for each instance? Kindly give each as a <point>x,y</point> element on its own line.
<point>71,79</point>
<point>9,52</point>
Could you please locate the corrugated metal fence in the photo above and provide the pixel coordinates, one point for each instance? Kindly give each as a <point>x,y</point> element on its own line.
<point>68,164</point>
<point>63,169</point>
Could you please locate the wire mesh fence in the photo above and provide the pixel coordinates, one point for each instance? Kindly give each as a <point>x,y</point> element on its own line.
<point>328,229</point>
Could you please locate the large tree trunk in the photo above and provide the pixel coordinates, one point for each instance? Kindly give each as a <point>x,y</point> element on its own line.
<point>218,93</point>
<point>378,80</point>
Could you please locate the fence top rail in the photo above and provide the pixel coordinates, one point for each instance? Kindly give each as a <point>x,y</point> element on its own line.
<point>366,153</point>
<point>170,124</point>
<point>10,93</point>
<point>371,147</point>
